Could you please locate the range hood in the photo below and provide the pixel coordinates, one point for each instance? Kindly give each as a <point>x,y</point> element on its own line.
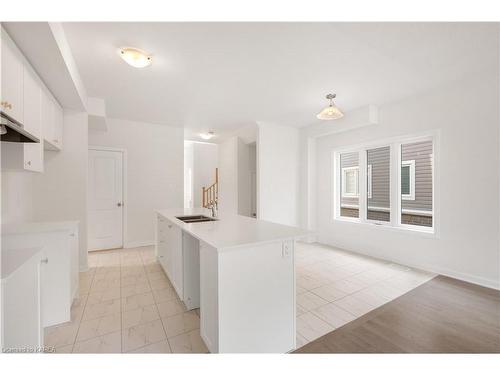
<point>13,131</point>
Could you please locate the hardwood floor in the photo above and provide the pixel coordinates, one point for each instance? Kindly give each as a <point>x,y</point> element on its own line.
<point>443,315</point>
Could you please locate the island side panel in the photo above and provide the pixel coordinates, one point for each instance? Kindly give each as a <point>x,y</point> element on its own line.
<point>257,298</point>
<point>209,297</point>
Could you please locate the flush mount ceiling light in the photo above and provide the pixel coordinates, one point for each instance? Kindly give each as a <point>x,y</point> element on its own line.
<point>135,57</point>
<point>208,135</point>
<point>331,112</point>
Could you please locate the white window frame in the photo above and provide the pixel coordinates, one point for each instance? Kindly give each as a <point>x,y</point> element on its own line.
<point>411,164</point>
<point>344,172</point>
<point>369,180</point>
<point>395,201</point>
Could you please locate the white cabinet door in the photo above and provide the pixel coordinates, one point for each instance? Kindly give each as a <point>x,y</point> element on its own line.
<point>21,315</point>
<point>177,260</point>
<point>12,80</point>
<point>32,103</point>
<point>58,126</point>
<point>56,283</point>
<point>191,271</point>
<point>74,248</point>
<point>47,118</point>
<point>161,245</point>
<point>33,152</point>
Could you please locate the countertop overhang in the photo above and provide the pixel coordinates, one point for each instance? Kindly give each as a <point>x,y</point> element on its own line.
<point>231,231</point>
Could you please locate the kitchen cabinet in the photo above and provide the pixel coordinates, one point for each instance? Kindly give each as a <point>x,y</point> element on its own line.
<point>12,80</point>
<point>170,253</point>
<point>26,100</point>
<point>32,98</point>
<point>240,272</point>
<point>178,255</point>
<point>52,120</point>
<point>21,299</point>
<point>59,284</point>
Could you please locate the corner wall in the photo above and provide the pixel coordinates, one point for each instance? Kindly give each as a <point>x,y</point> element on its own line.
<point>154,172</point>
<point>278,154</point>
<point>467,242</point>
<point>60,192</point>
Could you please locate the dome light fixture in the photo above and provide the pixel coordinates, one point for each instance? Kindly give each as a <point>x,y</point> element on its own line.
<point>331,112</point>
<point>135,57</point>
<point>207,136</point>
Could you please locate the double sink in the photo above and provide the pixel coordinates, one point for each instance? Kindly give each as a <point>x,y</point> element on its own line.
<point>195,218</point>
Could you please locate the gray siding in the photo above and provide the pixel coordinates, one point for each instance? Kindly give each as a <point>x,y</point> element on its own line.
<point>349,159</point>
<point>420,152</point>
<point>379,159</point>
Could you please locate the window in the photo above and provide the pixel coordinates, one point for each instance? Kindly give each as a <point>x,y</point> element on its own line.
<point>378,184</point>
<point>369,181</point>
<point>408,180</point>
<point>349,164</point>
<point>416,183</point>
<point>350,187</point>
<point>389,184</point>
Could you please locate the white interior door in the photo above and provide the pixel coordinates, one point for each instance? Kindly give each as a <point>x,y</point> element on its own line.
<point>105,216</point>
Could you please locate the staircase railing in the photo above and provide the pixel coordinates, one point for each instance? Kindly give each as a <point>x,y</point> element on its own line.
<point>210,195</point>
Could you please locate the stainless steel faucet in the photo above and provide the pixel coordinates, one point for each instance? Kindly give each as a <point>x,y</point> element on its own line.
<point>213,208</point>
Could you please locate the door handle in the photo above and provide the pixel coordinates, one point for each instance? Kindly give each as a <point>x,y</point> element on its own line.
<point>119,204</point>
<point>45,260</point>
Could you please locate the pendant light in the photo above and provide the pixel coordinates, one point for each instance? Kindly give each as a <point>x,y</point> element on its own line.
<point>331,112</point>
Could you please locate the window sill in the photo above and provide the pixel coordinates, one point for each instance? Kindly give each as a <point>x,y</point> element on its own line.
<point>410,229</point>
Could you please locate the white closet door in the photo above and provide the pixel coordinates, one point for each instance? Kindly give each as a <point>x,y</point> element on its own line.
<point>105,213</point>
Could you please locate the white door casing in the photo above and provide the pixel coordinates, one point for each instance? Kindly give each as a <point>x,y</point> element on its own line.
<point>105,199</point>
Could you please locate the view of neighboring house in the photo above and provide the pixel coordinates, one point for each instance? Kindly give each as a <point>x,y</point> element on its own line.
<point>415,187</point>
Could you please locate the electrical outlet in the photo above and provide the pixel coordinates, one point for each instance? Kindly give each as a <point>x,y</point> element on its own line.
<point>285,250</point>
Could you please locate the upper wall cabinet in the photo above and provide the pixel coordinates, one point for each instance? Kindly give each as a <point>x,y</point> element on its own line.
<point>12,80</point>
<point>32,119</point>
<point>52,120</point>
<point>26,100</point>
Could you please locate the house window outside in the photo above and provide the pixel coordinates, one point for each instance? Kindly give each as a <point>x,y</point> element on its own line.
<point>349,184</point>
<point>408,180</point>
<point>350,177</point>
<point>378,182</point>
<point>391,184</point>
<point>369,181</point>
<point>416,183</point>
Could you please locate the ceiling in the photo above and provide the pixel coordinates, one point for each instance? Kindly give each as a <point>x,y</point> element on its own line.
<point>225,76</point>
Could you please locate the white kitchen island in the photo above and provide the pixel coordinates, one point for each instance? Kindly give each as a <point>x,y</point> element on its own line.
<point>239,271</point>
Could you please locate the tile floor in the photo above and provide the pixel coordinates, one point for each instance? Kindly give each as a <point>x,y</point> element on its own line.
<point>335,287</point>
<point>127,304</point>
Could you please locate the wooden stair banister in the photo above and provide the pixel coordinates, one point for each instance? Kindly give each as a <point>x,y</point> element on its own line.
<point>210,195</point>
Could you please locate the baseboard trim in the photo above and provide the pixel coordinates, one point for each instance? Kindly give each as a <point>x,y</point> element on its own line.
<point>473,279</point>
<point>132,244</point>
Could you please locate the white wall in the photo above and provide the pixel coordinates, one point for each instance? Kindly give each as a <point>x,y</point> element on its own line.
<point>467,244</point>
<point>188,175</point>
<point>253,178</point>
<point>278,174</point>
<point>154,172</point>
<point>228,176</point>
<point>244,178</point>
<point>17,196</point>
<point>60,192</point>
<point>205,160</point>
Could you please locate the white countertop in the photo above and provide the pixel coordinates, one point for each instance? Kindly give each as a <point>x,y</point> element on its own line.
<point>231,230</point>
<point>12,259</point>
<point>39,227</point>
